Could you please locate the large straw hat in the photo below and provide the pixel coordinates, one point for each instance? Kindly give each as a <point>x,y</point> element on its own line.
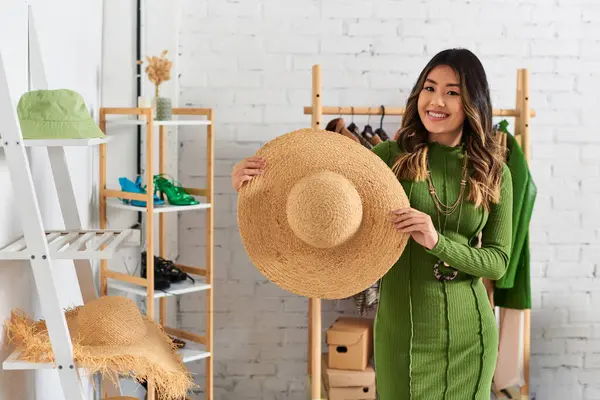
<point>109,336</point>
<point>317,221</point>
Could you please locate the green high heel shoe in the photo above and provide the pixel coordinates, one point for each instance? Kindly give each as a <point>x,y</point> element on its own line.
<point>173,191</point>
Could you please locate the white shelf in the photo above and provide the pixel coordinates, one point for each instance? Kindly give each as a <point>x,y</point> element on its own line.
<point>174,122</point>
<point>12,362</point>
<point>72,245</point>
<point>63,142</point>
<point>116,203</point>
<point>175,289</point>
<point>192,351</point>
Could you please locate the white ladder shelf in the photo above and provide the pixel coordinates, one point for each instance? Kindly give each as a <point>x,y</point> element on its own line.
<point>41,246</point>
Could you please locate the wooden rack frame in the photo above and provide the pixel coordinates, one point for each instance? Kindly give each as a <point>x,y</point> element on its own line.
<point>145,286</point>
<point>522,114</point>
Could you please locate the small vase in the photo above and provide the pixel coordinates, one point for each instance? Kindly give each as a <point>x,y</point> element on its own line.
<point>164,109</point>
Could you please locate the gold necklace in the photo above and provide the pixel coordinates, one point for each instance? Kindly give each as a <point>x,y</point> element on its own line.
<point>447,211</point>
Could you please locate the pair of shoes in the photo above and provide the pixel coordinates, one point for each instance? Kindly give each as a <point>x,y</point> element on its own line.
<point>165,272</point>
<point>136,187</point>
<point>173,191</point>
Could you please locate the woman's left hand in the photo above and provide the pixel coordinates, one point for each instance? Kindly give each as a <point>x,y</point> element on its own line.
<point>418,224</point>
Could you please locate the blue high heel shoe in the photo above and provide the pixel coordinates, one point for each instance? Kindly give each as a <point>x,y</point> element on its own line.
<point>129,186</point>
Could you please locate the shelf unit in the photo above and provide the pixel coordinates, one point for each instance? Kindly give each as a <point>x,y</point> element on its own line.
<point>197,347</point>
<point>42,246</point>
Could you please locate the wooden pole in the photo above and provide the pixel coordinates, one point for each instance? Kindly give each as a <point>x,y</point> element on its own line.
<point>210,145</point>
<point>102,201</point>
<point>314,304</point>
<point>526,143</point>
<point>162,232</point>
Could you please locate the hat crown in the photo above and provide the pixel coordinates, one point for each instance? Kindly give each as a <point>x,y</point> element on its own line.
<point>110,321</point>
<point>324,209</point>
<point>52,105</point>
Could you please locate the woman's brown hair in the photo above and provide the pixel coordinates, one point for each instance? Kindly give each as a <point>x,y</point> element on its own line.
<point>485,154</point>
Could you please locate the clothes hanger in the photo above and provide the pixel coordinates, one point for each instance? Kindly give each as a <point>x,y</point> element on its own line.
<point>353,127</point>
<point>379,131</point>
<point>369,135</point>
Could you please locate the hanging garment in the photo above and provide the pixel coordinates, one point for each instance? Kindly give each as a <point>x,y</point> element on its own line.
<point>513,290</point>
<point>508,366</point>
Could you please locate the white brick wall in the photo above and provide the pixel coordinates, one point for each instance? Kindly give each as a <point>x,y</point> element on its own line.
<point>251,60</point>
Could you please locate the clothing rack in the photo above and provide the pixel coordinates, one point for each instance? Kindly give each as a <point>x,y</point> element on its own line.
<point>522,114</point>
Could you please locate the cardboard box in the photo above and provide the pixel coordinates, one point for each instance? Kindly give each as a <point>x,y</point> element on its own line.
<point>348,385</point>
<point>350,343</point>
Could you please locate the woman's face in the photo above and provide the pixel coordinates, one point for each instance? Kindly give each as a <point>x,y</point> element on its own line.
<point>440,104</point>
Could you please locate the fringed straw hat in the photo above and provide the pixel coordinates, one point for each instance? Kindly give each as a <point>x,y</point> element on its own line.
<point>317,221</point>
<point>109,336</point>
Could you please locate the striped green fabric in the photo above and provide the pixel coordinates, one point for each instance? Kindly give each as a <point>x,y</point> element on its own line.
<point>438,340</point>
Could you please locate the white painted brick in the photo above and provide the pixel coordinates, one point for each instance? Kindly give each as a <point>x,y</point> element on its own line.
<point>393,45</point>
<point>251,368</point>
<point>564,360</point>
<point>366,27</point>
<point>292,45</point>
<point>567,171</point>
<point>591,49</point>
<point>430,27</point>
<point>591,153</point>
<point>347,80</point>
<point>268,289</point>
<point>386,80</point>
<point>591,392</point>
<point>561,48</point>
<point>328,62</point>
<point>275,384</point>
<point>345,45</point>
<point>283,114</point>
<point>316,27</point>
<point>206,26</point>
<point>592,361</point>
<point>268,62</point>
<point>235,79</point>
<point>260,96</point>
<point>553,300</point>
<point>300,9</point>
<point>554,82</point>
<point>536,31</point>
<point>590,253</point>
<point>401,9</point>
<point>568,332</point>
<point>583,346</point>
<point>332,9</point>
<point>590,186</point>
<point>484,30</point>
<point>575,135</point>
<point>237,44</point>
<point>229,9</point>
<point>549,347</point>
<point>518,13</point>
<point>547,14</point>
<point>573,236</point>
<point>564,269</point>
<point>568,253</point>
<point>555,392</point>
<point>288,352</point>
<point>577,65</point>
<point>295,335</point>
<point>584,315</point>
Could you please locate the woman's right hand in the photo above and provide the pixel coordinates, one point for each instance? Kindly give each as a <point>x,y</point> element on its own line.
<point>245,170</point>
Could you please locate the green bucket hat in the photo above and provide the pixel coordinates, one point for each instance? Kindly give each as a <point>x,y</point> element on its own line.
<point>56,114</point>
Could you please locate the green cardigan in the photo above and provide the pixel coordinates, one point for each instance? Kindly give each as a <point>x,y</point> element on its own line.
<point>513,290</point>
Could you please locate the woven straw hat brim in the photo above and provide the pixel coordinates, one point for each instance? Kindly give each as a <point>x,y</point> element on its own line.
<point>289,262</point>
<point>152,357</point>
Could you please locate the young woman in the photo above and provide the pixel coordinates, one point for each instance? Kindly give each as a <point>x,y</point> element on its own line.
<point>435,334</point>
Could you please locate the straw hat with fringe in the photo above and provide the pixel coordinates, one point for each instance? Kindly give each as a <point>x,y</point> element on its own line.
<point>317,221</point>
<point>109,336</point>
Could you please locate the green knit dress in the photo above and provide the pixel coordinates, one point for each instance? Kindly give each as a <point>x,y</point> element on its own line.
<point>438,340</point>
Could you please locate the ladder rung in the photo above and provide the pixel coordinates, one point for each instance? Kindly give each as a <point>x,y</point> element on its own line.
<point>72,245</point>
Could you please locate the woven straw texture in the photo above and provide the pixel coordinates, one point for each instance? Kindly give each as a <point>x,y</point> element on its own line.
<point>317,222</point>
<point>111,337</point>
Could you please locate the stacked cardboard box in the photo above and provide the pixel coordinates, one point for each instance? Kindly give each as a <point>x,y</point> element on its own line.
<point>347,374</point>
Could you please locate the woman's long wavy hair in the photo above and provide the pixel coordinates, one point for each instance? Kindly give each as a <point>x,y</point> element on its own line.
<point>485,153</point>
